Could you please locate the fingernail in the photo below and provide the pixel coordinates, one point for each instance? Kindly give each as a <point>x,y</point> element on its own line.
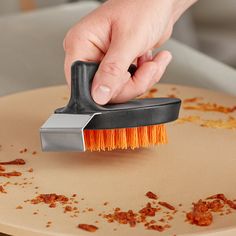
<point>102,94</point>
<point>149,55</point>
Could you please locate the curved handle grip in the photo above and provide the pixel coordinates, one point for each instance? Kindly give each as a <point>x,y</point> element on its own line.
<point>82,74</point>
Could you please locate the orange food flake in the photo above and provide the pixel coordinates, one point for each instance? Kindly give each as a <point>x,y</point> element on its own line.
<point>211,107</point>
<point>51,199</point>
<point>89,228</point>
<point>10,174</point>
<point>167,205</point>
<point>2,190</point>
<point>151,195</point>
<point>14,162</point>
<point>200,215</point>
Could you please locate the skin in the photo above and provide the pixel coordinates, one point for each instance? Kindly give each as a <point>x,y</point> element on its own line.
<point>119,33</point>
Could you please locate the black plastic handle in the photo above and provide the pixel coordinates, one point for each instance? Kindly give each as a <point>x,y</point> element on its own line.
<point>82,74</point>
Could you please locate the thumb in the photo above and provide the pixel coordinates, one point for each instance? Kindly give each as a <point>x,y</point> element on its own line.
<point>112,73</point>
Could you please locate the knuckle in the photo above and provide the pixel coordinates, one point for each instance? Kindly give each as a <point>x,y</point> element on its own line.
<point>73,38</point>
<point>69,39</point>
<point>111,68</point>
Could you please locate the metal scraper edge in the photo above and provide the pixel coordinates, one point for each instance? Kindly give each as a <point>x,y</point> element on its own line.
<point>64,132</point>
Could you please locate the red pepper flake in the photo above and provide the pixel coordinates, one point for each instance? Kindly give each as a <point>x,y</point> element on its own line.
<point>74,195</point>
<point>10,174</point>
<point>2,190</point>
<point>89,228</point>
<point>14,162</point>
<point>158,228</point>
<point>167,205</point>
<point>2,168</point>
<point>90,209</point>
<point>151,195</point>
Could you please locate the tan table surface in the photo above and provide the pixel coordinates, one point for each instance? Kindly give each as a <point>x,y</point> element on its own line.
<point>197,162</point>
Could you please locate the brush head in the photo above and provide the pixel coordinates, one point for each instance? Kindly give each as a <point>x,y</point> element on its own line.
<point>135,113</point>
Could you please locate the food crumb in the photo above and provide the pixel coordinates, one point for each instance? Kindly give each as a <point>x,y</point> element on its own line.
<point>48,224</point>
<point>68,209</point>
<point>189,100</point>
<point>51,199</point>
<point>167,205</point>
<point>89,228</point>
<point>153,90</point>
<point>23,150</point>
<point>14,162</point>
<point>151,195</point>
<point>200,214</point>
<point>10,174</point>
<point>158,228</point>
<point>19,207</point>
<point>2,190</point>
<point>30,170</point>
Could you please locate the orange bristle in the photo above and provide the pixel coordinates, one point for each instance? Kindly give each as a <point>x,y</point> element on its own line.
<point>110,139</point>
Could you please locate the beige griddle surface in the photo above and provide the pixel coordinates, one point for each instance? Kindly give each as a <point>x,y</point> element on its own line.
<point>196,163</point>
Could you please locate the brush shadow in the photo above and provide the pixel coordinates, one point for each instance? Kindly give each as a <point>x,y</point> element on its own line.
<point>117,158</point>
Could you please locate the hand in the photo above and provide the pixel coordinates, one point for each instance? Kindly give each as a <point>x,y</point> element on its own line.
<point>119,33</point>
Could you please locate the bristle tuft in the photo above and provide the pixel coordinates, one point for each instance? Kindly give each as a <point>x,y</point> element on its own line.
<point>101,140</point>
